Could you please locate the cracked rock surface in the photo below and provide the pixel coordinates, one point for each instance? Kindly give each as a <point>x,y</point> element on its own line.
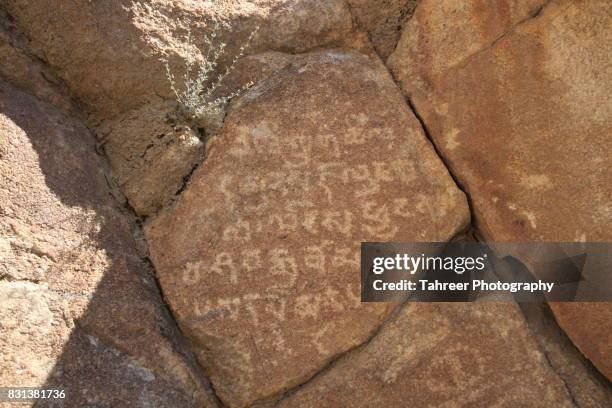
<point>370,120</point>
<point>383,20</point>
<point>79,308</point>
<point>259,257</point>
<point>444,354</point>
<point>150,152</point>
<point>108,52</point>
<point>526,131</point>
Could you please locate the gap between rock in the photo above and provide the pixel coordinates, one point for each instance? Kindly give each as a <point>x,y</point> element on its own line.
<point>473,230</point>
<point>186,350</point>
<point>205,382</point>
<point>17,42</point>
<point>535,13</point>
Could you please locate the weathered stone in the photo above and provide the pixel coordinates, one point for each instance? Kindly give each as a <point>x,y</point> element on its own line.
<point>259,258</point>
<point>70,274</point>
<point>525,130</point>
<point>588,325</point>
<point>248,70</point>
<point>383,20</point>
<point>153,149</point>
<point>151,153</point>
<point>108,53</point>
<point>18,69</point>
<point>586,385</point>
<point>442,34</point>
<point>450,355</point>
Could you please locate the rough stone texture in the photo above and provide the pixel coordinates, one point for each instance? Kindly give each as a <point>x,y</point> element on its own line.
<point>151,153</point>
<point>78,306</point>
<point>526,131</point>
<point>383,20</point>
<point>153,150</point>
<point>441,355</point>
<point>248,70</point>
<point>259,257</point>
<point>589,326</point>
<point>443,33</point>
<point>21,70</point>
<point>108,55</point>
<point>586,385</point>
<point>108,52</point>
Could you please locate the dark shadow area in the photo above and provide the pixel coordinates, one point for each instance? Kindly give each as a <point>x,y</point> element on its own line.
<point>124,349</point>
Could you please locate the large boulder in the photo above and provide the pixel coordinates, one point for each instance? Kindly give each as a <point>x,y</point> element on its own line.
<point>108,53</point>
<point>441,355</point>
<point>442,34</point>
<point>522,116</point>
<point>79,306</point>
<point>109,56</point>
<point>259,258</point>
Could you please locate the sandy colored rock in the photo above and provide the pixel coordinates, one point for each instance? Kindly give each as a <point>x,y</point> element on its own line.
<point>383,20</point>
<point>24,72</point>
<point>153,149</point>
<point>108,55</point>
<point>442,34</point>
<point>588,324</point>
<point>259,258</point>
<point>588,387</point>
<point>79,308</point>
<point>526,130</point>
<point>108,52</point>
<point>451,355</point>
<point>151,152</point>
<point>248,71</point>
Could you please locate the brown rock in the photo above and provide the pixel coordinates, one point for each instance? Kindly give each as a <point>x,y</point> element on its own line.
<point>259,258</point>
<point>588,324</point>
<point>151,152</point>
<point>19,69</point>
<point>450,355</point>
<point>588,387</point>
<point>525,130</point>
<point>383,20</point>
<point>153,149</point>
<point>442,34</point>
<point>79,308</point>
<point>248,70</point>
<point>108,52</point>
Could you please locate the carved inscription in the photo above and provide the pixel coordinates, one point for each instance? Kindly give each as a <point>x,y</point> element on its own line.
<point>264,245</point>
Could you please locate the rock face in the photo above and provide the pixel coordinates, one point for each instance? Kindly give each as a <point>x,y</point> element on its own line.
<point>525,131</point>
<point>79,308</point>
<point>108,52</point>
<point>259,257</point>
<point>588,387</point>
<point>588,324</point>
<point>254,219</point>
<point>153,149</point>
<point>433,41</point>
<point>25,72</point>
<point>445,354</point>
<point>383,20</point>
<point>151,152</point>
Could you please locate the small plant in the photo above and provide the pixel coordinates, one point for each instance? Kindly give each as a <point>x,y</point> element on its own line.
<point>198,100</point>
